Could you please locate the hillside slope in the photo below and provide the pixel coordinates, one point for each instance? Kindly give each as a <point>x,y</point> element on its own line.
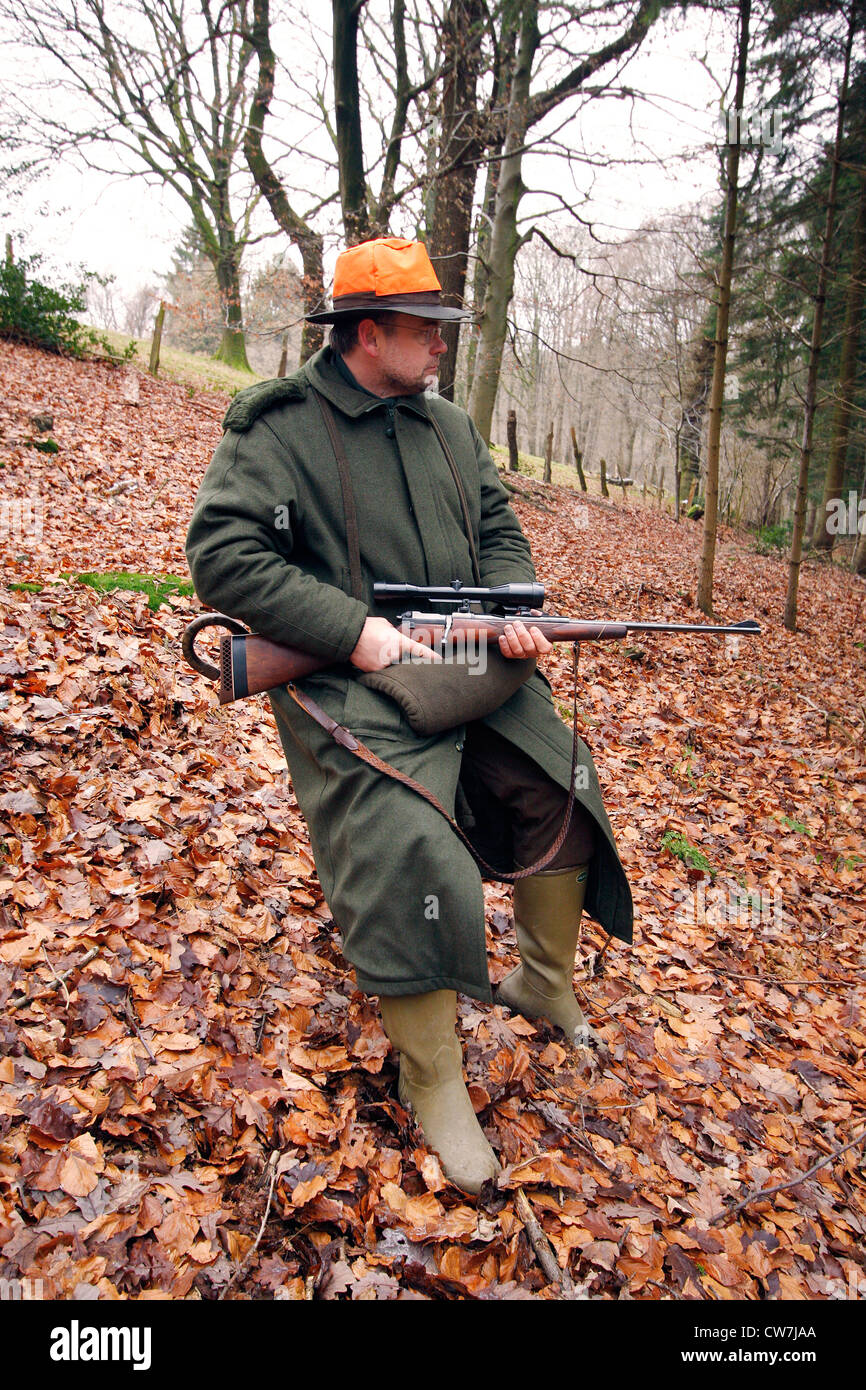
<point>183,1051</point>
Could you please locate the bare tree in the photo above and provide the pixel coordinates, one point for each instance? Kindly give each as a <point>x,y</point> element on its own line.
<point>165,88</point>
<point>526,109</point>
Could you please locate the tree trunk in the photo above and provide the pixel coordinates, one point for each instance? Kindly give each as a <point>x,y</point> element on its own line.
<point>815,348</point>
<point>835,479</point>
<point>308,242</point>
<point>459,153</point>
<point>504,240</point>
<point>284,355</point>
<point>694,406</point>
<point>511,431</point>
<point>347,113</point>
<point>232,349</point>
<point>717,390</point>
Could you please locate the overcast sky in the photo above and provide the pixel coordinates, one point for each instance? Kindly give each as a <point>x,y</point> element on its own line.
<point>121,227</point>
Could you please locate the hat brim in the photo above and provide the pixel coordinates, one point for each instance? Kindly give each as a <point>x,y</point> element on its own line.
<point>386,305</point>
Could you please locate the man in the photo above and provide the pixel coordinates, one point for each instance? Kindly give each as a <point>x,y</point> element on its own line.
<point>345,474</point>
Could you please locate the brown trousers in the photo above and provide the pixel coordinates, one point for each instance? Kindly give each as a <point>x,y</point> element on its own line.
<point>534,804</point>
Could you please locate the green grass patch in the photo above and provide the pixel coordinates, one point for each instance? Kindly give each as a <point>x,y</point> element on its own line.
<point>28,586</point>
<point>190,368</point>
<point>690,855</point>
<point>158,587</point>
<point>797,825</point>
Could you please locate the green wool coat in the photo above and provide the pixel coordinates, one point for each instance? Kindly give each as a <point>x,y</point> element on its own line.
<point>267,545</point>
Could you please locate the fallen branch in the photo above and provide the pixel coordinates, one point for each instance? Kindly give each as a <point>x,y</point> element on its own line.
<point>791,1182</point>
<point>527,497</point>
<point>541,1247</point>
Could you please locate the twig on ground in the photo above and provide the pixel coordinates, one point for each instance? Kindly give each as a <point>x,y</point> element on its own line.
<point>61,982</point>
<point>272,1164</point>
<point>791,1182</point>
<point>129,1010</point>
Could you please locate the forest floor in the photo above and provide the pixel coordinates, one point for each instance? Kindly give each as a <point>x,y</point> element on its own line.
<point>196,1102</point>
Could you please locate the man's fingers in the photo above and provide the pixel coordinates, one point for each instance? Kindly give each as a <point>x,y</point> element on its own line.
<point>542,644</point>
<point>402,648</point>
<point>517,641</point>
<point>419,651</point>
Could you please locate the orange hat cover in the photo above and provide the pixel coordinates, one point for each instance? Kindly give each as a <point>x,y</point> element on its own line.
<point>389,273</point>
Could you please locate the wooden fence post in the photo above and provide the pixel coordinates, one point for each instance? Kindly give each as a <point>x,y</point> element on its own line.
<point>602,466</point>
<point>578,460</point>
<point>153,367</point>
<point>511,432</point>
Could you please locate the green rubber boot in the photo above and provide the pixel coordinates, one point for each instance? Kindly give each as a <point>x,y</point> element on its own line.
<point>547,912</point>
<point>422,1029</point>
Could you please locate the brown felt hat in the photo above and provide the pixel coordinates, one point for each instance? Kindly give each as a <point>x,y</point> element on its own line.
<point>388,274</point>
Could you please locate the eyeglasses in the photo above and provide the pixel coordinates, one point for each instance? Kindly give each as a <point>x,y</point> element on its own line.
<point>425,335</point>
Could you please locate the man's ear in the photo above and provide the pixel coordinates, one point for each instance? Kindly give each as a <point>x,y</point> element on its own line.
<point>368,336</point>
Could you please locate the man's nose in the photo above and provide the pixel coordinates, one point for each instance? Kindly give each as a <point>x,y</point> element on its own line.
<point>438,345</point>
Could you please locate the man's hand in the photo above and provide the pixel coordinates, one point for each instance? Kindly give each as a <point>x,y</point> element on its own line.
<point>519,641</point>
<point>380,645</point>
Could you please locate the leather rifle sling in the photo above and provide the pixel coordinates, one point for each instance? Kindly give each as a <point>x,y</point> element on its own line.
<point>344,737</point>
<point>353,544</point>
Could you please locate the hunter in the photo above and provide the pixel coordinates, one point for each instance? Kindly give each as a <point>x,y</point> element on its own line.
<point>353,470</point>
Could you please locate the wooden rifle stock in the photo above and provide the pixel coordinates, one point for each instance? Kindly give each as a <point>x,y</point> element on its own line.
<point>250,664</point>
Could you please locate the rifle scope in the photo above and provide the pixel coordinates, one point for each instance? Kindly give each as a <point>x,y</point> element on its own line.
<point>508,595</point>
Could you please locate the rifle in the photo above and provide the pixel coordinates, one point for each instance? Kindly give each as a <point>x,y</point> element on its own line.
<point>250,663</point>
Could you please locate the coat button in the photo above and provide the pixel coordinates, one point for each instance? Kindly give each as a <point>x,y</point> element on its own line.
<point>459,747</point>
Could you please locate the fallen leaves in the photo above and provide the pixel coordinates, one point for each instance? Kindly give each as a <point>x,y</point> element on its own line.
<point>175,1010</point>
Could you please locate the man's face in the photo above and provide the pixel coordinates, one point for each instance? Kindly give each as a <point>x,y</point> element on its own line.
<point>409,352</point>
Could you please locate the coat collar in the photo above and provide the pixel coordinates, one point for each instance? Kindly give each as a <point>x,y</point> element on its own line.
<point>322,373</point>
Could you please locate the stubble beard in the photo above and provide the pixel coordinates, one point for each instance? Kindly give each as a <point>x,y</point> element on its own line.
<point>402,384</point>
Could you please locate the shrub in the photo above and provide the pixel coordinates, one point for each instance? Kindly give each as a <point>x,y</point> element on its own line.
<point>777,537</point>
<point>35,313</point>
